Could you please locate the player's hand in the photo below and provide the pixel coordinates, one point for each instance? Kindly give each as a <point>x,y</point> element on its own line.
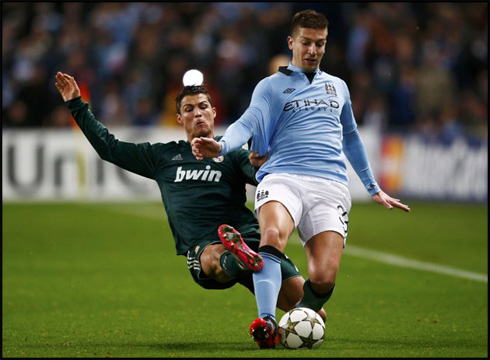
<point>203,147</point>
<point>389,202</point>
<point>67,86</point>
<point>256,160</point>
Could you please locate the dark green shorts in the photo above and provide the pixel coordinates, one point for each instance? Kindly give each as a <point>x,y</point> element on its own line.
<point>288,269</point>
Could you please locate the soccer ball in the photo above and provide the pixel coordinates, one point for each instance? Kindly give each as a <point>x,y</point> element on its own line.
<point>301,328</point>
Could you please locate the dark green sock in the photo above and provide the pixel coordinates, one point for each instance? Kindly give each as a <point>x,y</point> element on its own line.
<point>312,299</point>
<point>230,265</point>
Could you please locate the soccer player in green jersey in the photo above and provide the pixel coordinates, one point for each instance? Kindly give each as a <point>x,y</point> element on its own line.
<point>199,196</point>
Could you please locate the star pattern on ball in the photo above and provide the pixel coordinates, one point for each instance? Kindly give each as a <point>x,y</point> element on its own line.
<point>289,329</point>
<point>308,342</point>
<point>314,320</point>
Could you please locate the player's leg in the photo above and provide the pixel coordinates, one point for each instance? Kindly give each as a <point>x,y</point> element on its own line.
<point>205,270</point>
<point>278,209</point>
<point>292,284</point>
<point>210,263</point>
<point>323,232</point>
<point>323,253</point>
<point>218,263</point>
<point>276,225</point>
<point>292,293</point>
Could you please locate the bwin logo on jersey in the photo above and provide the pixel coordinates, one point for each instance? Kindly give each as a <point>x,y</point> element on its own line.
<point>202,175</point>
<point>330,89</point>
<point>262,194</point>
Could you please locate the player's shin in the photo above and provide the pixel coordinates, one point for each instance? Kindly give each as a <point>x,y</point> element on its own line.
<point>231,266</point>
<point>267,282</point>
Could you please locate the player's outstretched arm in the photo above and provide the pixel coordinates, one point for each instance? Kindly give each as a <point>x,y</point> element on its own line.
<point>137,158</point>
<point>67,86</point>
<point>389,202</point>
<point>203,147</point>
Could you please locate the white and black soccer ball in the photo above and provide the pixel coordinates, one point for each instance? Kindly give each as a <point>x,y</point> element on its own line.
<point>301,328</point>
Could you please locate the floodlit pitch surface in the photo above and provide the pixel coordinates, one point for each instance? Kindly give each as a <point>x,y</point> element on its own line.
<point>103,280</point>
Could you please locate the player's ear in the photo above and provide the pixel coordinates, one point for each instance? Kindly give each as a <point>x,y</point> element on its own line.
<point>214,113</point>
<point>179,119</point>
<point>290,42</point>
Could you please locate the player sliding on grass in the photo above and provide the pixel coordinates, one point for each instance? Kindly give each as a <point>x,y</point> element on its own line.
<point>198,196</point>
<point>302,117</point>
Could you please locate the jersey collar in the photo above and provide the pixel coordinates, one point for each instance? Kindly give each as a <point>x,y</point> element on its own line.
<point>299,70</point>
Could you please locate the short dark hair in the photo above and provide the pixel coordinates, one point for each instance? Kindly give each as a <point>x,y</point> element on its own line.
<point>309,19</point>
<point>192,90</point>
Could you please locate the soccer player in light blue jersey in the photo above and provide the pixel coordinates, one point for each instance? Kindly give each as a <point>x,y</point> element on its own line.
<point>302,118</point>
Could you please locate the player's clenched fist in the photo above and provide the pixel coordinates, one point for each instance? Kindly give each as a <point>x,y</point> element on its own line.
<point>205,147</point>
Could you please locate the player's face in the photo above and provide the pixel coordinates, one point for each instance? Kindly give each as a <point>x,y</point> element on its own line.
<point>308,46</point>
<point>197,115</point>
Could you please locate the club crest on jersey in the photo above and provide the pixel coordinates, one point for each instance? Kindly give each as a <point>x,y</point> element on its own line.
<point>219,158</point>
<point>330,89</point>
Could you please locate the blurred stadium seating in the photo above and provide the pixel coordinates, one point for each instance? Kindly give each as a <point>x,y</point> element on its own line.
<point>417,72</point>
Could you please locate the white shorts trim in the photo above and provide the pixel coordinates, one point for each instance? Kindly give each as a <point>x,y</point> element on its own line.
<point>315,204</point>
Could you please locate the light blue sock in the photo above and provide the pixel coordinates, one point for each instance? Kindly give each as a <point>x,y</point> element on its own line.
<point>267,283</point>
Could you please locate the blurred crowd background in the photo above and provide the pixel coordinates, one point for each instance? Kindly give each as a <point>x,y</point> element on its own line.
<point>411,66</point>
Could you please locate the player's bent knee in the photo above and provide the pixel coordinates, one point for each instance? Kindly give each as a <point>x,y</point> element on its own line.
<point>215,272</point>
<point>323,277</point>
<point>210,264</point>
<point>270,236</point>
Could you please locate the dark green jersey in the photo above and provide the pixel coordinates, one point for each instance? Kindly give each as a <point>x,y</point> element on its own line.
<point>198,196</point>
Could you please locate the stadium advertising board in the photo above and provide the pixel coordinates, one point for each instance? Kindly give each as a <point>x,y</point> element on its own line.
<point>60,165</point>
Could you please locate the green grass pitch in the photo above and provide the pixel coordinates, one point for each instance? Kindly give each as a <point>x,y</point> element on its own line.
<point>102,280</point>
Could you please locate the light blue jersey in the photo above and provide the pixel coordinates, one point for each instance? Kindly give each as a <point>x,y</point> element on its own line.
<point>304,126</point>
